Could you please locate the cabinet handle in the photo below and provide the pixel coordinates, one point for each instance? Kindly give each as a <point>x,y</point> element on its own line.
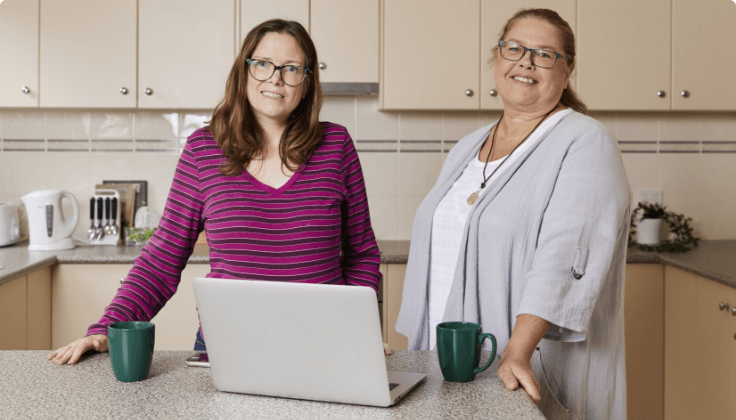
<point>723,306</point>
<point>468,92</point>
<point>149,91</point>
<point>26,90</point>
<point>685,94</point>
<point>661,94</point>
<point>493,92</point>
<point>124,91</point>
<point>322,66</point>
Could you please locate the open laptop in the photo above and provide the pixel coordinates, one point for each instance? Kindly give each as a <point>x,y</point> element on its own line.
<point>307,341</point>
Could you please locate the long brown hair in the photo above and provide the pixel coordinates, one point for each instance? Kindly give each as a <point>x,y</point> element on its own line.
<point>569,97</point>
<point>234,126</point>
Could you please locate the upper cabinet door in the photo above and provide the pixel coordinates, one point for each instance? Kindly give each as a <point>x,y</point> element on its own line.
<point>255,12</point>
<point>703,55</point>
<point>88,53</point>
<point>346,36</point>
<point>431,57</point>
<point>19,52</point>
<point>185,52</point>
<point>624,54</point>
<point>494,14</point>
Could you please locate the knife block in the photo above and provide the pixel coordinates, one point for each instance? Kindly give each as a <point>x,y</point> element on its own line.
<point>108,239</point>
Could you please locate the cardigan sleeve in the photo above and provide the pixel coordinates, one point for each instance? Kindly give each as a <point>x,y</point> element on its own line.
<point>156,274</point>
<point>582,228</point>
<point>361,258</point>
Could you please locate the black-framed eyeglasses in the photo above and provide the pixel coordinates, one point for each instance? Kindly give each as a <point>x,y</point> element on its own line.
<point>291,74</point>
<point>512,51</point>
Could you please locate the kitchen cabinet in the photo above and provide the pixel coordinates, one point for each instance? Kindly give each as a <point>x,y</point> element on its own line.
<point>185,52</point>
<point>439,57</point>
<point>25,311</point>
<point>700,32</point>
<point>346,37</point>
<point>393,286</point>
<point>700,344</point>
<point>19,49</point>
<point>644,338</point>
<point>494,14</point>
<point>254,12</point>
<point>88,60</point>
<point>81,292</point>
<point>635,55</point>
<point>430,55</point>
<point>624,54</point>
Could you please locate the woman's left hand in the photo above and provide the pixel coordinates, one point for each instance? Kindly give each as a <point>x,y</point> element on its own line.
<point>514,370</point>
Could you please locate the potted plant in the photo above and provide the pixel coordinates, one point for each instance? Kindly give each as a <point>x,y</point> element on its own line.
<point>650,224</point>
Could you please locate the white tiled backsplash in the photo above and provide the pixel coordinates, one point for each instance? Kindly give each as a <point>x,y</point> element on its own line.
<point>691,157</point>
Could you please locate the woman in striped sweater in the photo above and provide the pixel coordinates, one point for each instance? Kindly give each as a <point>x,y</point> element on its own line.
<point>279,194</point>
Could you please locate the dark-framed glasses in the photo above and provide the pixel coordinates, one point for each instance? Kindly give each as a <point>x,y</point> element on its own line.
<point>263,70</point>
<point>512,51</point>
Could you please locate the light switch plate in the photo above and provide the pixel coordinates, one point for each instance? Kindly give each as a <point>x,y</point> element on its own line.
<point>650,196</point>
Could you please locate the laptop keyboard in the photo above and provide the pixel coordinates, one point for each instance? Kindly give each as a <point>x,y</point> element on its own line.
<point>392,386</point>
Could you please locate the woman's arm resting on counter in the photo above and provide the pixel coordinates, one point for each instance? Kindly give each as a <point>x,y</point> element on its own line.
<point>72,352</point>
<point>515,367</point>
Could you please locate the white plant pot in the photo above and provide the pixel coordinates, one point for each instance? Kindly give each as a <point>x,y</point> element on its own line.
<point>647,231</point>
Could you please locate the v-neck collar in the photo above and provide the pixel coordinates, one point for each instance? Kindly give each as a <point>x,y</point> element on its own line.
<point>269,189</point>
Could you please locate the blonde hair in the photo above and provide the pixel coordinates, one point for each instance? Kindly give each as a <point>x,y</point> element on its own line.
<point>234,126</point>
<point>569,97</point>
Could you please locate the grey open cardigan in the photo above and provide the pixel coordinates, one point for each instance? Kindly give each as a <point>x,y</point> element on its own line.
<point>548,238</point>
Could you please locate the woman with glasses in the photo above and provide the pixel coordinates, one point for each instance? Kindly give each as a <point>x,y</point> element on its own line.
<point>279,194</point>
<point>525,233</point>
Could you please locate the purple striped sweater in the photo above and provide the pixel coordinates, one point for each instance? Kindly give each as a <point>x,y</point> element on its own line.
<point>255,232</point>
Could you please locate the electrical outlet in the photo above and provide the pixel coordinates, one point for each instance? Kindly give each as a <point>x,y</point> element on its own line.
<point>650,196</point>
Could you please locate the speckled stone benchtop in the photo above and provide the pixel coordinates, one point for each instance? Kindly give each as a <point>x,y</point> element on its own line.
<point>33,387</point>
<point>715,260</point>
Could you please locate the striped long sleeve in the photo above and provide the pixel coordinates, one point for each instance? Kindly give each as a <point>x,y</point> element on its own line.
<point>314,229</point>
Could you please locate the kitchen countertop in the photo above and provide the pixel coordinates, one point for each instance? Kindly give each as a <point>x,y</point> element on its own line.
<point>33,387</point>
<point>715,260</point>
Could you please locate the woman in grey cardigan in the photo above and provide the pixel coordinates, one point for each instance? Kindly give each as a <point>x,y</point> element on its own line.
<point>525,232</point>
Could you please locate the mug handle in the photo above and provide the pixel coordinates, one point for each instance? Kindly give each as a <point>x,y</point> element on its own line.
<point>481,338</point>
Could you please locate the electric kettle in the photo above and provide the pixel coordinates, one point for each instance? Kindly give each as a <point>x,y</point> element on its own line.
<point>48,229</point>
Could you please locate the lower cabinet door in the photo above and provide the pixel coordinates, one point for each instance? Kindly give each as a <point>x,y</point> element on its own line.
<point>80,293</point>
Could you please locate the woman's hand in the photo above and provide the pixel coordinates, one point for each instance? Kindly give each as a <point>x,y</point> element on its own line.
<point>514,370</point>
<point>72,352</point>
<point>515,367</point>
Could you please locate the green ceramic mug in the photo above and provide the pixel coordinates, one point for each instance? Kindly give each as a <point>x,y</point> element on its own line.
<point>458,348</point>
<point>131,349</point>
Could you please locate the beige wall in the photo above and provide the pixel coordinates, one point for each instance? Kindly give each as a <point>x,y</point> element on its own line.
<point>690,157</point>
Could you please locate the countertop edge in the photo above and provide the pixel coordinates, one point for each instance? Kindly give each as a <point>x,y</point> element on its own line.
<point>715,260</point>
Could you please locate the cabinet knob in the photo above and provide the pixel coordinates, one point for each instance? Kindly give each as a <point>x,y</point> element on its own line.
<point>322,66</point>
<point>124,91</point>
<point>493,92</point>
<point>733,311</point>
<point>661,94</point>
<point>724,306</point>
<point>468,92</point>
<point>685,94</point>
<point>25,89</point>
<point>149,91</point>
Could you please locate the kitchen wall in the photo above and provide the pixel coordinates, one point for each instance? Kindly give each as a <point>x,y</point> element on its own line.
<point>690,157</point>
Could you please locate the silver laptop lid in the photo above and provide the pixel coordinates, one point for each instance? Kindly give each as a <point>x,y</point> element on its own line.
<point>307,341</point>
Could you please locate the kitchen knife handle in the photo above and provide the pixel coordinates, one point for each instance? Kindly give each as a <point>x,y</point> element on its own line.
<point>99,208</point>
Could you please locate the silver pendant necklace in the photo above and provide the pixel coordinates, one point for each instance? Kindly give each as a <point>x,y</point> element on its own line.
<point>473,198</point>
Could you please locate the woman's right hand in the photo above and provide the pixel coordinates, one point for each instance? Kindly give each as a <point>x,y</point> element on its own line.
<point>72,352</point>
